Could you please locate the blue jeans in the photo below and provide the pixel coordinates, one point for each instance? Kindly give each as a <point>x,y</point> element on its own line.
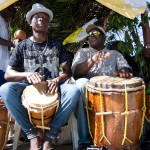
<point>11,94</point>
<point>80,113</point>
<point>2,80</point>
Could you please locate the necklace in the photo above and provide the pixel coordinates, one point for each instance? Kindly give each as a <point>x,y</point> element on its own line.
<point>40,56</point>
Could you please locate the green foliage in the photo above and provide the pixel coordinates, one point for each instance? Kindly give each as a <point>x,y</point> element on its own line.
<point>65,12</point>
<point>71,14</point>
<point>132,42</point>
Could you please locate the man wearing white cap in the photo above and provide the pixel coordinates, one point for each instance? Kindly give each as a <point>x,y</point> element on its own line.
<point>96,60</point>
<point>33,60</point>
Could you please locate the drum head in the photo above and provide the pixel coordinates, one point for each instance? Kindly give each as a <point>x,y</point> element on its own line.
<point>107,83</point>
<point>36,96</point>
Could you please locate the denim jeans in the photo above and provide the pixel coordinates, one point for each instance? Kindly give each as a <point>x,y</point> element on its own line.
<point>80,113</point>
<point>2,80</point>
<point>11,94</point>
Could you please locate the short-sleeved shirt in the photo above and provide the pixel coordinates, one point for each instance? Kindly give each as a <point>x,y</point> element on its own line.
<point>45,58</point>
<point>106,66</point>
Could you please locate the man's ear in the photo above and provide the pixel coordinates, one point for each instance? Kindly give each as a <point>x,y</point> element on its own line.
<point>31,23</point>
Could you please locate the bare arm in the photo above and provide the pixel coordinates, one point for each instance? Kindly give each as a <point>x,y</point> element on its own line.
<point>6,42</point>
<point>16,74</point>
<point>82,69</point>
<point>67,73</point>
<point>53,84</point>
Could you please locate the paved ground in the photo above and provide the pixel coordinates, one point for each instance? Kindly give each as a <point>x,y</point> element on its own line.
<point>26,146</point>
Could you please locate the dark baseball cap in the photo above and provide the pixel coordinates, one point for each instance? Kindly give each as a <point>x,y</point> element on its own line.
<point>92,26</point>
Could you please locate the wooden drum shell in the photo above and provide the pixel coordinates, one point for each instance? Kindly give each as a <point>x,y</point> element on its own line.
<point>41,106</point>
<point>113,108</point>
<point>4,125</point>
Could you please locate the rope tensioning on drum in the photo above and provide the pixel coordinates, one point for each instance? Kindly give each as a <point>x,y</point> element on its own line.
<point>102,118</point>
<point>42,110</point>
<point>144,110</point>
<point>101,113</point>
<point>126,117</point>
<point>88,112</point>
<point>42,114</point>
<point>43,127</point>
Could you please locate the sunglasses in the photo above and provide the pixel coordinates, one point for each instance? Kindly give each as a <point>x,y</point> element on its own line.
<point>93,33</point>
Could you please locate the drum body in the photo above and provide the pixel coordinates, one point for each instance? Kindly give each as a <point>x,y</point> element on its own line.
<point>4,125</point>
<point>148,106</point>
<point>114,110</point>
<point>40,105</point>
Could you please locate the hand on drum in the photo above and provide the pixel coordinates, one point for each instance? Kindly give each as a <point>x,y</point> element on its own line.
<point>123,73</point>
<point>100,56</point>
<point>52,87</point>
<point>33,77</point>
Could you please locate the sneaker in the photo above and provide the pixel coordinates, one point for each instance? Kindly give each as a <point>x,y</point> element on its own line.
<point>84,146</point>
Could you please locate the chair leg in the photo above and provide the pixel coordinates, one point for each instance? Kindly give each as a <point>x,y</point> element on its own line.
<point>17,131</point>
<point>74,131</point>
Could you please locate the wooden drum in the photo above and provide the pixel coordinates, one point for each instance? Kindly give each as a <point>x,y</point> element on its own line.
<point>41,106</point>
<point>4,125</point>
<point>116,110</point>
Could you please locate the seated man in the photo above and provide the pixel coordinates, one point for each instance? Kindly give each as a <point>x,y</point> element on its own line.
<point>35,59</point>
<point>95,60</point>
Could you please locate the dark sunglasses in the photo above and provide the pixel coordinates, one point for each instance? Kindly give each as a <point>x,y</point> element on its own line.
<point>93,33</point>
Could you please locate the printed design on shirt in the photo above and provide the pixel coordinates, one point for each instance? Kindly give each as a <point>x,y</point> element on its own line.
<point>46,64</point>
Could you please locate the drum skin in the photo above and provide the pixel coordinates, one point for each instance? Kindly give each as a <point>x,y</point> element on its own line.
<point>108,130</point>
<point>4,125</point>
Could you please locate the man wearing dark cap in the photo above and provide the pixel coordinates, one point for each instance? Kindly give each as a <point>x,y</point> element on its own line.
<point>33,60</point>
<point>96,60</point>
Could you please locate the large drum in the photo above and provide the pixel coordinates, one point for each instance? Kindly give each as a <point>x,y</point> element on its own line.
<point>41,106</point>
<point>148,106</point>
<point>4,125</point>
<point>116,111</point>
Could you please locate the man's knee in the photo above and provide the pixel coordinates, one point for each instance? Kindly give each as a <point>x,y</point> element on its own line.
<point>4,87</point>
<point>81,83</point>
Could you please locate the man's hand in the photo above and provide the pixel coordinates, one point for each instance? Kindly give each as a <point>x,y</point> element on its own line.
<point>52,87</point>
<point>123,73</point>
<point>100,56</point>
<point>33,77</point>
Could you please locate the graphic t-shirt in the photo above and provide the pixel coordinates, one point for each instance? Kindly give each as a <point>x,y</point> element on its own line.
<point>45,57</point>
